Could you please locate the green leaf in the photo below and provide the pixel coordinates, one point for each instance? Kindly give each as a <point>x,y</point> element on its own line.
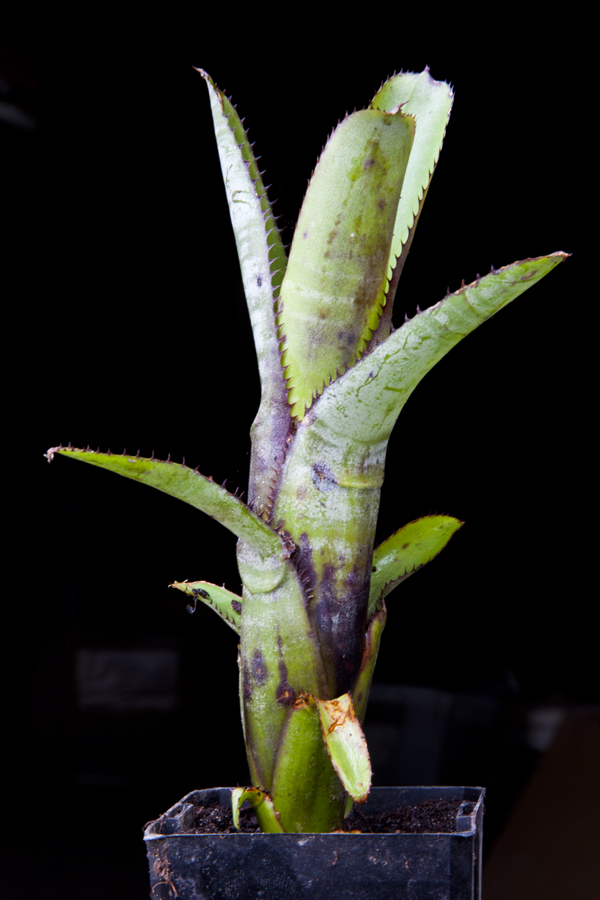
<point>328,500</point>
<point>346,745</point>
<point>260,250</point>
<point>365,402</point>
<point>263,261</point>
<point>336,280</point>
<point>192,487</point>
<point>224,603</point>
<point>430,103</point>
<point>362,686</point>
<point>268,817</point>
<point>280,657</point>
<point>313,804</point>
<point>405,551</point>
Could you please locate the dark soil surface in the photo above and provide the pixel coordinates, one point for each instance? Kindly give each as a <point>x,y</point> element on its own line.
<point>431,816</point>
<point>217,819</point>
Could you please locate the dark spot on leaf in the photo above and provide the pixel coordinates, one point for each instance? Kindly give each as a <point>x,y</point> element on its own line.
<point>259,281</point>
<point>323,478</point>
<point>246,683</point>
<point>404,546</point>
<point>236,605</point>
<point>260,672</point>
<point>340,614</point>
<point>368,163</point>
<point>285,693</point>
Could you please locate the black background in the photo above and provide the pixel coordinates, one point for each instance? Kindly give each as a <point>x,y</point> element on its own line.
<point>127,327</point>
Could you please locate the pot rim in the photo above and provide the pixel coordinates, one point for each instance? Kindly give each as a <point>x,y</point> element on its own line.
<point>177,817</point>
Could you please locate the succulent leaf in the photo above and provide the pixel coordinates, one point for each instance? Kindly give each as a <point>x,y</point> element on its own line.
<point>224,603</point>
<point>365,402</point>
<point>362,686</point>
<point>280,657</point>
<point>306,804</point>
<point>333,382</point>
<point>346,745</point>
<point>190,486</point>
<point>329,499</point>
<point>263,262</point>
<point>430,102</point>
<point>405,551</point>
<point>336,280</point>
<point>267,816</point>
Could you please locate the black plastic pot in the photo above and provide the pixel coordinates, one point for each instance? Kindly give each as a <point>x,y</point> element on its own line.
<point>331,866</point>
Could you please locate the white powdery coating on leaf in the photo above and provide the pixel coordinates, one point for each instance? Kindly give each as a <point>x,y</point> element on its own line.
<point>248,220</point>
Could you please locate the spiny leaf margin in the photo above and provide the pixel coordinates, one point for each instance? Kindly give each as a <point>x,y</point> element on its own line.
<point>405,552</point>
<point>263,262</point>
<point>335,283</point>
<point>242,175</point>
<point>365,402</point>
<point>178,480</point>
<point>430,102</point>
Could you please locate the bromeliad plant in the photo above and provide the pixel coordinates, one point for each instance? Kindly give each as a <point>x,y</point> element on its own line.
<point>335,374</point>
